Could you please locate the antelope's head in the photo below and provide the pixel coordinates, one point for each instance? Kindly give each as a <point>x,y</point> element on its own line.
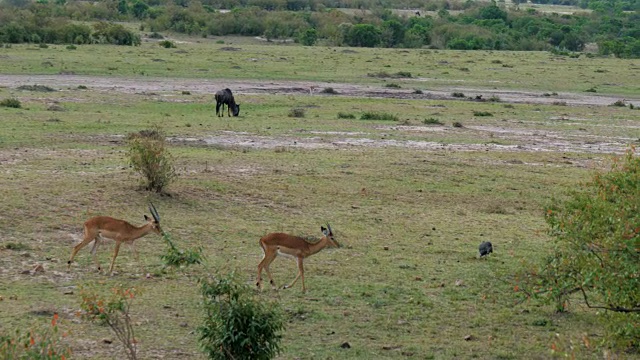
<point>328,233</point>
<point>155,222</point>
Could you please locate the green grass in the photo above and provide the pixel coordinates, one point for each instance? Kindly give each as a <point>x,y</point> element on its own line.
<point>410,218</point>
<point>207,59</point>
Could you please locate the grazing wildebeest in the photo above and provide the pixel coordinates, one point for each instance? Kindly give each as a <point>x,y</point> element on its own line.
<point>226,97</point>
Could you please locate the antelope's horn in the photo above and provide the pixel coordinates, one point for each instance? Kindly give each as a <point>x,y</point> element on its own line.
<point>329,228</point>
<point>154,212</point>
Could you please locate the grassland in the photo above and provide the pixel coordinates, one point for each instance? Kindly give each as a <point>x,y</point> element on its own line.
<point>410,202</point>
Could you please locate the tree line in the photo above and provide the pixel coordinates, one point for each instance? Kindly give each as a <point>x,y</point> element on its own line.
<point>452,25</point>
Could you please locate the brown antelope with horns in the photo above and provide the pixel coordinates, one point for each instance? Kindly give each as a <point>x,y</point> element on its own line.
<point>99,227</point>
<point>295,246</point>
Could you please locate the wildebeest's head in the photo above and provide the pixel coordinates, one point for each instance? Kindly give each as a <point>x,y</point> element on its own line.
<point>236,109</point>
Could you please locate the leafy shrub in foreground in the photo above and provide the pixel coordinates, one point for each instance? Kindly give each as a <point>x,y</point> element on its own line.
<point>113,311</point>
<point>176,257</point>
<point>596,235</point>
<point>39,344</point>
<point>236,324</point>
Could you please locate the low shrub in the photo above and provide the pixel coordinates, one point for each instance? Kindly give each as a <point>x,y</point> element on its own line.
<point>482,113</point>
<point>175,257</point>
<point>432,121</point>
<point>328,90</point>
<point>342,115</point>
<point>148,156</point>
<point>114,311</point>
<point>41,88</point>
<point>168,44</point>
<point>378,116</point>
<point>237,325</point>
<point>297,113</point>
<point>39,344</point>
<point>11,103</point>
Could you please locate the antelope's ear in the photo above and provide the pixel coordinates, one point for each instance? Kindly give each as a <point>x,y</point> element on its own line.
<point>146,217</point>
<point>323,229</point>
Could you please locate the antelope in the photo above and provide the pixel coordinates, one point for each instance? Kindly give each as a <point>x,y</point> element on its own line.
<point>295,246</point>
<point>99,227</point>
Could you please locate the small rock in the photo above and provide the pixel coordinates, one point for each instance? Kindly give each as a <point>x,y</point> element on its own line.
<point>25,272</point>
<point>107,341</point>
<point>345,345</point>
<point>346,313</point>
<point>386,248</point>
<point>459,282</point>
<point>13,297</point>
<point>418,278</point>
<point>184,324</point>
<point>25,255</point>
<point>468,338</point>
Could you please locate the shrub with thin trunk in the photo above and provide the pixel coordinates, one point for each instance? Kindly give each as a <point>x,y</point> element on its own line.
<point>149,157</point>
<point>114,311</point>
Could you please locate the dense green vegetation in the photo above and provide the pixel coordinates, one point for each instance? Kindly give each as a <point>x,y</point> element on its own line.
<point>614,26</point>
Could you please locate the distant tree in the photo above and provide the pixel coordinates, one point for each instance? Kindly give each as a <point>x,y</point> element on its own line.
<point>308,37</point>
<point>392,33</point>
<point>140,9</point>
<point>363,35</point>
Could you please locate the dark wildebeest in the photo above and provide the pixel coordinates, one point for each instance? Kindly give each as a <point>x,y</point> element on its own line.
<point>226,97</point>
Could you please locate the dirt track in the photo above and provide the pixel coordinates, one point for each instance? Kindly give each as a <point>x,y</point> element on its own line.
<point>125,85</point>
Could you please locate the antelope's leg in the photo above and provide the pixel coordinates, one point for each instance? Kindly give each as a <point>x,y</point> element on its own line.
<point>115,255</point>
<point>85,241</point>
<point>264,264</point>
<point>299,260</point>
<point>94,250</point>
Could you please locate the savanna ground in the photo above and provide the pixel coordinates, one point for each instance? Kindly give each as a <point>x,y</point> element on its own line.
<point>409,199</point>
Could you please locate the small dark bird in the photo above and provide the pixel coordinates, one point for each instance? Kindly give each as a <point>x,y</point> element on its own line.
<point>485,248</point>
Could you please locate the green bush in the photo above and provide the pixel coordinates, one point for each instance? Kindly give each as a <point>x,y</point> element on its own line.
<point>342,115</point>
<point>432,121</point>
<point>148,156</point>
<point>297,113</point>
<point>596,233</point>
<point>175,257</point>
<point>236,324</point>
<point>378,116</point>
<point>11,102</point>
<point>167,44</point>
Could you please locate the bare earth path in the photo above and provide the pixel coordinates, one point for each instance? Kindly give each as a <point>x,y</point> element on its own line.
<point>126,85</point>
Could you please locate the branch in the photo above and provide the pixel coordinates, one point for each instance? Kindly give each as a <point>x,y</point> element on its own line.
<point>611,308</point>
